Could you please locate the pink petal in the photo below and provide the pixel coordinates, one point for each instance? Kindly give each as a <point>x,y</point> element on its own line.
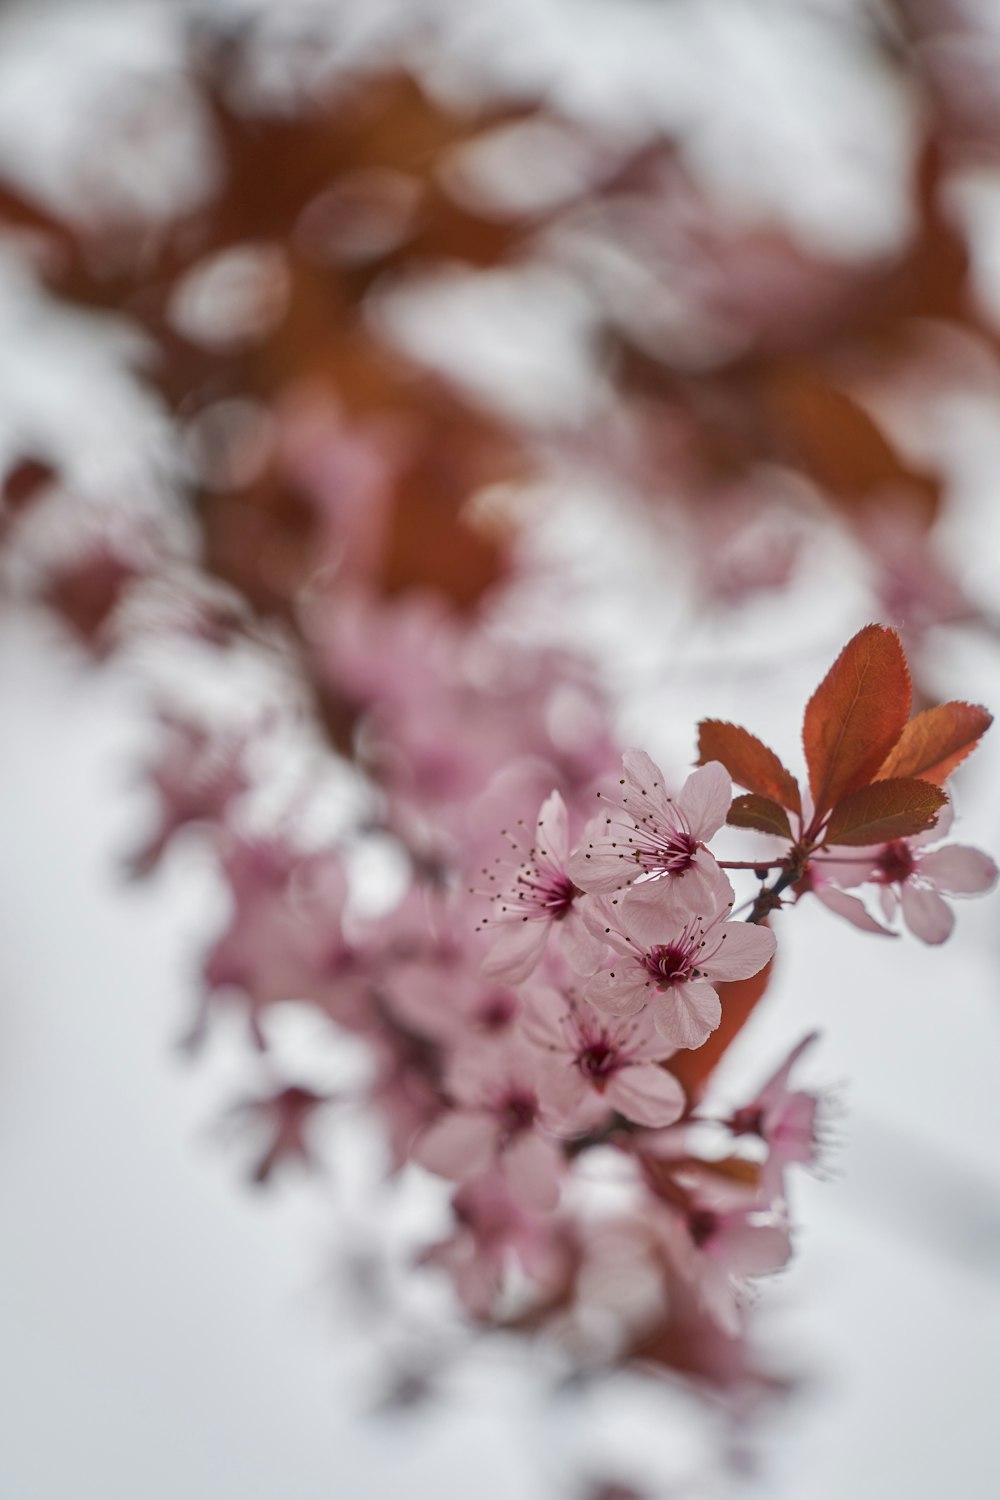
<point>553,831</point>
<point>582,951</point>
<point>705,799</point>
<point>958,870</point>
<point>744,949</point>
<point>776,1085</point>
<point>850,908</point>
<point>543,1020</point>
<point>656,911</point>
<point>642,771</point>
<point>598,868</point>
<point>752,1249</point>
<point>793,1135</point>
<point>568,1102</point>
<point>602,919</point>
<point>459,1145</point>
<point>619,992</point>
<point>533,1168</point>
<point>517,950</point>
<point>686,1014</point>
<point>926,914</point>
<point>848,871</point>
<point>646,1094</point>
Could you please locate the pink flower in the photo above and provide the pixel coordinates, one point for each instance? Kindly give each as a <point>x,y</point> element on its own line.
<point>493,1230</point>
<point>648,833</point>
<point>675,945</point>
<point>284,939</point>
<point>197,775</point>
<point>602,1064</point>
<point>285,1114</point>
<point>717,1233</point>
<point>784,1118</point>
<point>539,896</point>
<point>497,1087</point>
<point>727,1245</point>
<point>915,879</point>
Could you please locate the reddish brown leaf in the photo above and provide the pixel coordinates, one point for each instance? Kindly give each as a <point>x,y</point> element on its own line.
<point>839,444</point>
<point>885,810</point>
<point>749,762</point>
<point>692,1069</point>
<point>935,742</point>
<point>26,481</point>
<point>856,715</point>
<point>762,813</point>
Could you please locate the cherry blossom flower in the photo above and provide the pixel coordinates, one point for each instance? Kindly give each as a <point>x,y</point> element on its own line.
<point>717,1233</point>
<point>285,1114</point>
<point>497,1087</point>
<point>648,834</point>
<point>602,1064</point>
<point>533,897</point>
<point>784,1118</point>
<point>284,940</point>
<point>494,1230</point>
<point>675,944</point>
<point>914,879</point>
<point>197,775</point>
<point>726,1247</point>
<point>450,1002</point>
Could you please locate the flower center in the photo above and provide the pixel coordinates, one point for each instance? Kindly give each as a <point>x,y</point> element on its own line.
<point>597,1062</point>
<point>550,892</point>
<point>669,963</point>
<point>894,863</point>
<point>665,851</point>
<point>497,1010</point>
<point>518,1113</point>
<point>702,1225</point>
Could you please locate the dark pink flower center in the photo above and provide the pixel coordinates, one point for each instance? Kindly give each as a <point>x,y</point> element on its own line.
<point>895,863</point>
<point>518,1112</point>
<point>702,1225</point>
<point>668,851</point>
<point>550,892</point>
<point>597,1062</point>
<point>670,963</point>
<point>497,1009</point>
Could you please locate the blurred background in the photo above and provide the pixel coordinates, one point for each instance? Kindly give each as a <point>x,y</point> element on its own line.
<point>657,336</point>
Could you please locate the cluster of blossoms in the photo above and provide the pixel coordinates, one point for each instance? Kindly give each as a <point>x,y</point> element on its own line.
<point>546,1003</point>
<point>554,989</point>
<point>545,1006</point>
